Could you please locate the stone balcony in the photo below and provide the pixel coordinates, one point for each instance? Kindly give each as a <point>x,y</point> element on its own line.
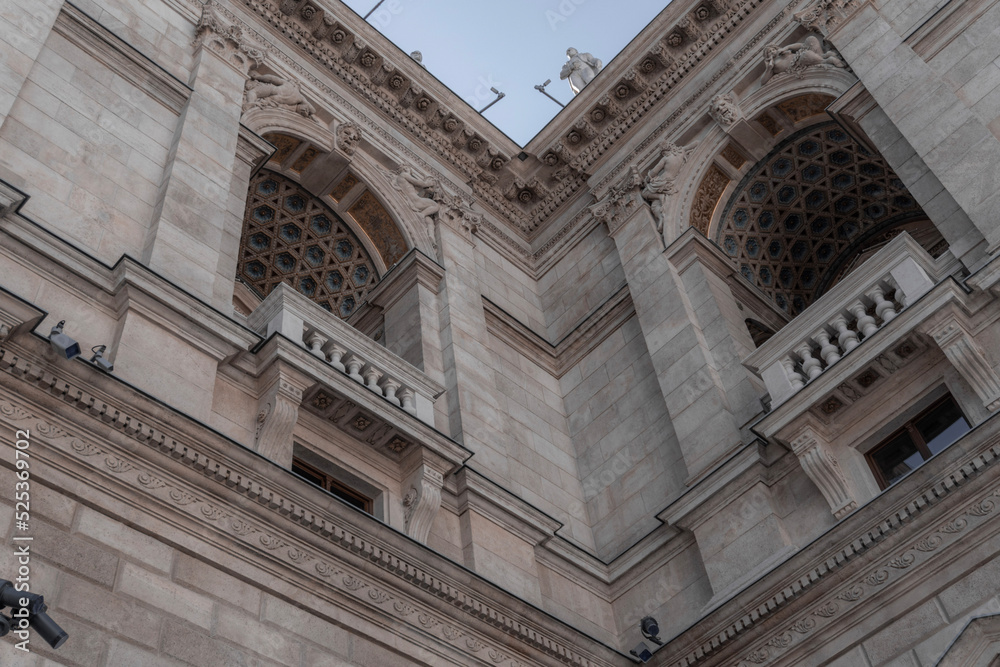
<point>346,350</point>
<point>896,314</point>
<point>846,318</point>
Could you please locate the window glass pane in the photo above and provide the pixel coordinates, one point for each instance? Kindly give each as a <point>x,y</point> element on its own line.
<point>308,474</point>
<point>896,458</point>
<point>942,426</point>
<point>350,499</point>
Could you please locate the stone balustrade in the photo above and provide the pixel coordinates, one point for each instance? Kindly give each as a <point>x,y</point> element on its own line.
<point>347,350</point>
<point>845,317</point>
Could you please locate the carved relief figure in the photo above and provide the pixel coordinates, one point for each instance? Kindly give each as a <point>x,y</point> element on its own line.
<point>269,90</point>
<point>658,183</point>
<point>795,58</point>
<point>723,109</point>
<point>580,69</point>
<point>348,136</point>
<point>424,195</point>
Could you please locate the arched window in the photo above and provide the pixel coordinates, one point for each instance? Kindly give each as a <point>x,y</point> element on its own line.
<point>292,237</point>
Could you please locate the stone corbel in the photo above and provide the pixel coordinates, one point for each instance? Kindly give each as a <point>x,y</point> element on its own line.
<point>221,35</point>
<point>422,497</point>
<point>968,359</point>
<point>823,469</point>
<point>277,414</point>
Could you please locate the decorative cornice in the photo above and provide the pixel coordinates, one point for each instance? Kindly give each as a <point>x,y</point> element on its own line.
<point>966,464</point>
<point>362,558</point>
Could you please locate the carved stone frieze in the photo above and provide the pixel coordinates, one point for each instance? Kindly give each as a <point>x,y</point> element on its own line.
<point>345,561</point>
<point>264,91</point>
<point>652,77</point>
<point>659,183</point>
<point>794,59</point>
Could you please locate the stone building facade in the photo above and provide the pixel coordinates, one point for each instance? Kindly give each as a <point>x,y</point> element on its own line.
<point>390,389</point>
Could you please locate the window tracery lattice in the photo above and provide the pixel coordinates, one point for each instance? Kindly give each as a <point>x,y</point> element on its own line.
<point>806,209</point>
<point>291,237</point>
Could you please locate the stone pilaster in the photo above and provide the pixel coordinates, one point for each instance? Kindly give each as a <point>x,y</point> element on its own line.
<point>950,128</point>
<point>24,28</point>
<point>192,226</point>
<point>251,151</point>
<point>474,417</point>
<point>688,372</point>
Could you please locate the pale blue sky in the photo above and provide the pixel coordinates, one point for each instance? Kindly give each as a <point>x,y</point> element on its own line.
<point>512,45</point>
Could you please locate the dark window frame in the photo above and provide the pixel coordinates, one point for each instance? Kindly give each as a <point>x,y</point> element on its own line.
<point>917,438</point>
<point>326,481</point>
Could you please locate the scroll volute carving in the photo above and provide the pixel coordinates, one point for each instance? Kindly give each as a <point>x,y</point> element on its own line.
<point>422,499</point>
<point>277,414</point>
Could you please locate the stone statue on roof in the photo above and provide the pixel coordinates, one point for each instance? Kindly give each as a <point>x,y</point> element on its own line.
<point>580,69</point>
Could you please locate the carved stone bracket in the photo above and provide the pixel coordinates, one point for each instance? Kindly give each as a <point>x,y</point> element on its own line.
<point>968,359</point>
<point>226,39</point>
<point>823,469</point>
<point>277,414</point>
<point>422,501</point>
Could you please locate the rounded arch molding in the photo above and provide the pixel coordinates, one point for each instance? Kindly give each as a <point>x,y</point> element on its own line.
<point>799,216</point>
<point>722,158</point>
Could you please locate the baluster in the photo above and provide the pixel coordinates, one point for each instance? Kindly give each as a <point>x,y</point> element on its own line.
<point>898,295</point>
<point>314,341</point>
<point>354,364</point>
<point>390,386</point>
<point>810,364</point>
<point>866,323</point>
<point>827,350</point>
<point>336,353</point>
<point>372,376</point>
<point>883,307</point>
<point>848,339</point>
<point>797,379</point>
<point>406,395</point>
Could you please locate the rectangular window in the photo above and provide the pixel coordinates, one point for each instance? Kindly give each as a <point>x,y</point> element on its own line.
<point>917,440</point>
<point>321,479</point>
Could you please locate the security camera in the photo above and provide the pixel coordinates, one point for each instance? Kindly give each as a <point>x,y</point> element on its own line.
<point>650,629</point>
<point>99,360</point>
<point>28,609</point>
<point>63,344</point>
<point>641,651</point>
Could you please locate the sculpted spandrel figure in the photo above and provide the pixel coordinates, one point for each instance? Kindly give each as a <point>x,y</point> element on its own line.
<point>795,58</point>
<point>424,195</point>
<point>580,69</point>
<point>269,90</point>
<point>658,184</point>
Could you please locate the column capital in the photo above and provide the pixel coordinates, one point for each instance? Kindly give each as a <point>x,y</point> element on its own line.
<point>823,16</point>
<point>621,202</point>
<point>221,33</point>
